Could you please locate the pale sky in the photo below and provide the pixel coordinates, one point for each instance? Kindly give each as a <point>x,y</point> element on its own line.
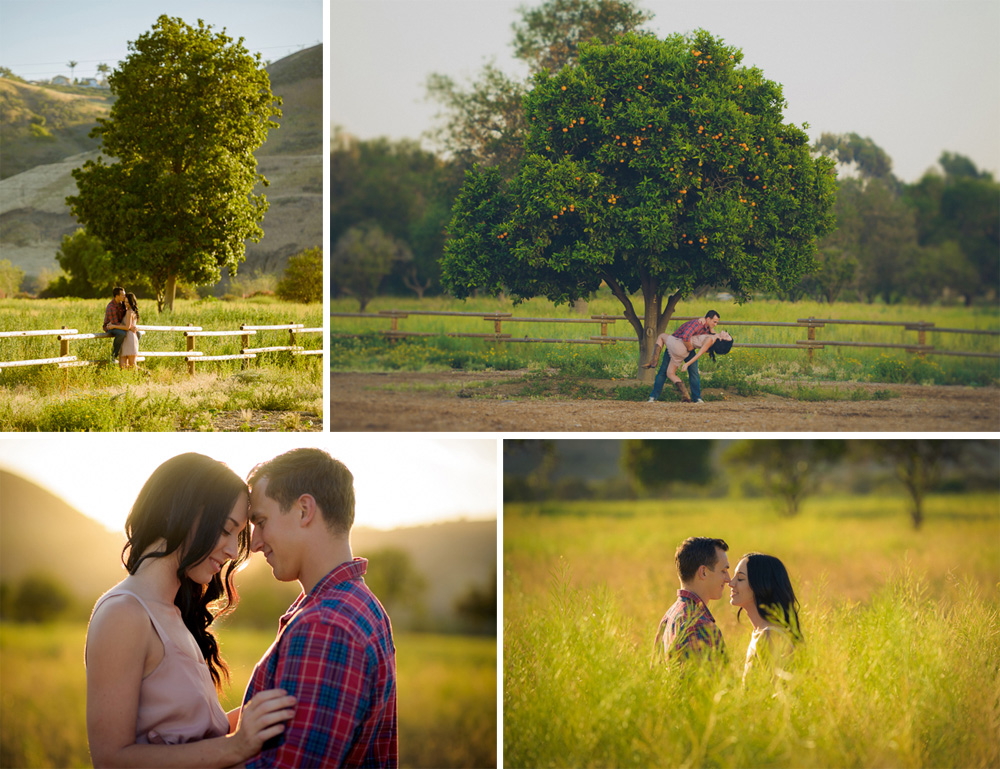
<point>402,481</point>
<point>918,77</point>
<point>39,37</point>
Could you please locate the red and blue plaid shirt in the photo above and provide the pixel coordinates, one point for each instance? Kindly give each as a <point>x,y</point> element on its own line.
<point>694,326</point>
<point>335,654</point>
<point>688,628</point>
<point>114,313</point>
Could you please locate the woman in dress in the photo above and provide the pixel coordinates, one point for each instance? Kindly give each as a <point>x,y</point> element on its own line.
<point>680,357</point>
<point>130,344</point>
<point>761,587</point>
<point>153,664</point>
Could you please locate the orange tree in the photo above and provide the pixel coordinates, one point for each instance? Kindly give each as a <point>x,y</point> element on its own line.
<point>655,165</point>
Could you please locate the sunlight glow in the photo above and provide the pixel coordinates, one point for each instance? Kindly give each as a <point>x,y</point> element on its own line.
<point>405,481</point>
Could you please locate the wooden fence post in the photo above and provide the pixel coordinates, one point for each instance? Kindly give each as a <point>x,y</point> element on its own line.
<point>63,352</point>
<point>190,348</point>
<point>244,344</point>
<point>497,325</point>
<point>811,336</point>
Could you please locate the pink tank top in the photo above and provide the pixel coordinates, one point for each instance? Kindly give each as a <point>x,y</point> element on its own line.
<point>177,700</point>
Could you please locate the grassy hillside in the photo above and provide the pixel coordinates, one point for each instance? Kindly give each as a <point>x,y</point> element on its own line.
<point>43,124</point>
<point>298,79</point>
<point>41,532</point>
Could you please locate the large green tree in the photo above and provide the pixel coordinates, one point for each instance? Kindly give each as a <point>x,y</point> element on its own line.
<point>660,166</point>
<point>192,107</point>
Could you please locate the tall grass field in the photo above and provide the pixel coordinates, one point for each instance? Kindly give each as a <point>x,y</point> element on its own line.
<point>163,396</point>
<point>900,666</point>
<point>446,689</point>
<point>356,344</point>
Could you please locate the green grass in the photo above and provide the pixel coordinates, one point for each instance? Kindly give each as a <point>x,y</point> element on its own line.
<point>900,665</point>
<point>371,352</point>
<point>446,695</point>
<point>164,397</point>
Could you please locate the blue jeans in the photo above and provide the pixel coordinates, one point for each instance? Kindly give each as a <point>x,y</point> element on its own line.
<point>116,346</point>
<point>694,379</point>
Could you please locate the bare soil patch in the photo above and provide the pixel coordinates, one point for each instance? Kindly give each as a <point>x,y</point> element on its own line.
<point>496,402</point>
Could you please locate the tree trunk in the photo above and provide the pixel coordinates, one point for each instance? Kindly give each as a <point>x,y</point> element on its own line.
<point>653,323</point>
<point>169,292</point>
<point>413,283</point>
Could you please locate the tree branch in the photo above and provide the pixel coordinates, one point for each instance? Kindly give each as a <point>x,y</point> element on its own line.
<point>623,297</point>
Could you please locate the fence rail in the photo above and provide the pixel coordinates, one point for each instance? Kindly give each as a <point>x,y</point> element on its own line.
<point>810,344</point>
<point>191,355</point>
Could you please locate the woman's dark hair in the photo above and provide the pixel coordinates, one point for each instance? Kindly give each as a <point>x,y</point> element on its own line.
<point>187,501</point>
<point>773,593</point>
<point>130,298</point>
<point>720,346</point>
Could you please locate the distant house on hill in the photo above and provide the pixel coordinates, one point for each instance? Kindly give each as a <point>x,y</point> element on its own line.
<point>60,80</point>
<point>88,82</point>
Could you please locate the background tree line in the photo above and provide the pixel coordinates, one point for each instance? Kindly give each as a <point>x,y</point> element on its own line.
<point>787,471</point>
<point>391,202</point>
<point>40,596</point>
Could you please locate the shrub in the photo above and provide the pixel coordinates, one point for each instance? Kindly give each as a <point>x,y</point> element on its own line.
<point>303,279</point>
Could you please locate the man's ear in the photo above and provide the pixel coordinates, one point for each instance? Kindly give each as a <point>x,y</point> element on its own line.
<point>307,509</point>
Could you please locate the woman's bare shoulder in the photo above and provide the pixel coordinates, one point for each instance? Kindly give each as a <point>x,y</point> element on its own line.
<point>118,613</point>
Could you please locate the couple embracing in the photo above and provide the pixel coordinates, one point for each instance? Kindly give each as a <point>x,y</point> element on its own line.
<point>121,319</point>
<point>759,586</point>
<point>324,694</point>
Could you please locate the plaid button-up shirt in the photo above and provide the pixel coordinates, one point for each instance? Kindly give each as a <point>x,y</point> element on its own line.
<point>335,654</point>
<point>688,628</point>
<point>113,313</point>
<point>694,326</point>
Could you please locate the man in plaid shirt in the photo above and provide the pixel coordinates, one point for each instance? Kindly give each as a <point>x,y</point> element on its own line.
<point>688,628</point>
<point>684,332</point>
<point>334,650</point>
<point>114,314</point>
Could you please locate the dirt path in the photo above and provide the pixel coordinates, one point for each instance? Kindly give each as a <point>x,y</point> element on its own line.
<point>488,402</point>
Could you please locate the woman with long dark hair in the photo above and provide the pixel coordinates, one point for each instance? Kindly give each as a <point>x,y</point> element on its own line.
<point>130,344</point>
<point>153,664</point>
<point>761,587</point>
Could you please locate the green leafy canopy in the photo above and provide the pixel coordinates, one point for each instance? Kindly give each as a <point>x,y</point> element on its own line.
<point>192,107</point>
<point>660,165</point>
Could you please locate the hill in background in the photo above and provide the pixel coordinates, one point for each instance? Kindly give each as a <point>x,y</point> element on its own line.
<point>46,124</point>
<point>35,169</point>
<point>39,532</point>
